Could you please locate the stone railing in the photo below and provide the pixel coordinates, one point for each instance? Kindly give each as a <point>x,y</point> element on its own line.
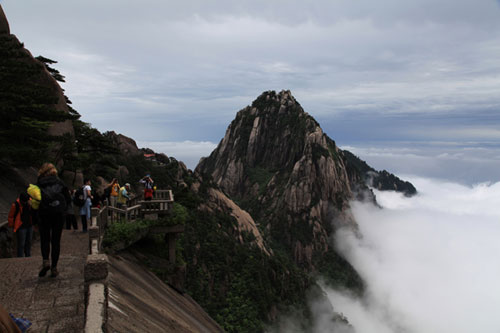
<point>96,266</point>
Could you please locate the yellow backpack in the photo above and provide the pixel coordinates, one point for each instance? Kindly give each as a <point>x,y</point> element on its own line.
<point>35,194</point>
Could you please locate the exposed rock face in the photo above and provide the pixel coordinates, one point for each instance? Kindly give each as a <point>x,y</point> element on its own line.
<point>276,160</point>
<point>4,24</point>
<point>277,163</point>
<point>219,201</point>
<point>126,145</point>
<point>141,302</point>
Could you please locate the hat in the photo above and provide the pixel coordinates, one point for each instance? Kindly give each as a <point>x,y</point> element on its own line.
<point>127,185</point>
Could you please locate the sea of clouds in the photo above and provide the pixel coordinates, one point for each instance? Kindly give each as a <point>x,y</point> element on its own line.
<point>430,262</point>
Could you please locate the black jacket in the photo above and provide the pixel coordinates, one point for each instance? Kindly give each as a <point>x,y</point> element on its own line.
<point>55,195</point>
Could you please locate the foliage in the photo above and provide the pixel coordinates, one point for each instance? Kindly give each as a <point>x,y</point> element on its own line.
<point>27,107</point>
<point>338,273</point>
<point>178,215</point>
<point>124,231</point>
<point>260,176</point>
<point>237,283</point>
<point>54,72</point>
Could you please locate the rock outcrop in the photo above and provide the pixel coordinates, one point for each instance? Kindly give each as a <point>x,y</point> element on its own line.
<point>279,165</point>
<point>276,160</point>
<point>4,24</point>
<point>218,201</point>
<point>126,145</point>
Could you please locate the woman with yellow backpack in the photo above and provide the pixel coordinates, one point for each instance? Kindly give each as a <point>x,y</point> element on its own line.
<point>53,205</point>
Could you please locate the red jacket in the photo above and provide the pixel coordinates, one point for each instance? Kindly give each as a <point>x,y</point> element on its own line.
<point>15,221</point>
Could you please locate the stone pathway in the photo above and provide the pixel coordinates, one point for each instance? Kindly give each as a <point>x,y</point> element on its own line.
<point>51,304</point>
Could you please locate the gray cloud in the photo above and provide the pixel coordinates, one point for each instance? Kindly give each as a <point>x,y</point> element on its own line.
<point>187,151</point>
<point>177,71</point>
<point>468,164</point>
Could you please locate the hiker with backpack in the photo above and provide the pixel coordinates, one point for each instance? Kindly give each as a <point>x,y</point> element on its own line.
<point>53,205</point>
<point>20,218</point>
<point>85,212</point>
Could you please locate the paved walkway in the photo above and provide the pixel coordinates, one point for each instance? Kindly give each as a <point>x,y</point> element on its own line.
<point>51,304</point>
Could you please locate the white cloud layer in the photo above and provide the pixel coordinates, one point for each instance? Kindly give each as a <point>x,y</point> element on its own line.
<point>430,262</point>
<point>188,152</point>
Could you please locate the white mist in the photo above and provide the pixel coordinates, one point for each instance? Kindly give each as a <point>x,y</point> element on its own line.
<point>431,262</point>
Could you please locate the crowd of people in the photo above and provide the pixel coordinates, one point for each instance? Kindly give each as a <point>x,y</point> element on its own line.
<point>49,205</point>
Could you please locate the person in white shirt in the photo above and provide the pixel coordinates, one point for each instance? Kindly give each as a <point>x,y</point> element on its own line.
<point>85,213</point>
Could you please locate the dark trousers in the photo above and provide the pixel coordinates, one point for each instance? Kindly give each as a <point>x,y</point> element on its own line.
<point>51,225</point>
<point>24,236</point>
<point>71,221</point>
<point>84,222</point>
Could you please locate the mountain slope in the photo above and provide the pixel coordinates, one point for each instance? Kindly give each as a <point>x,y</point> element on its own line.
<point>277,163</point>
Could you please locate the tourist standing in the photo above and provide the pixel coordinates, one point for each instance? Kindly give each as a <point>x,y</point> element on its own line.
<point>148,187</point>
<point>123,196</point>
<point>55,196</point>
<point>70,214</point>
<point>85,212</point>
<point>20,218</point>
<point>114,188</point>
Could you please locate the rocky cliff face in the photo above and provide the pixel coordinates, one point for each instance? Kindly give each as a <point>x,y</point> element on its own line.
<point>125,145</point>
<point>277,163</point>
<point>4,24</point>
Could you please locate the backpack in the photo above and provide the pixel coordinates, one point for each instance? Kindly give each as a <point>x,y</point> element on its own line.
<point>35,194</point>
<point>26,208</point>
<point>53,198</point>
<point>79,199</point>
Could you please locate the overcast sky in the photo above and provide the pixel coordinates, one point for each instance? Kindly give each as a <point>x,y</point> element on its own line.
<point>173,74</point>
